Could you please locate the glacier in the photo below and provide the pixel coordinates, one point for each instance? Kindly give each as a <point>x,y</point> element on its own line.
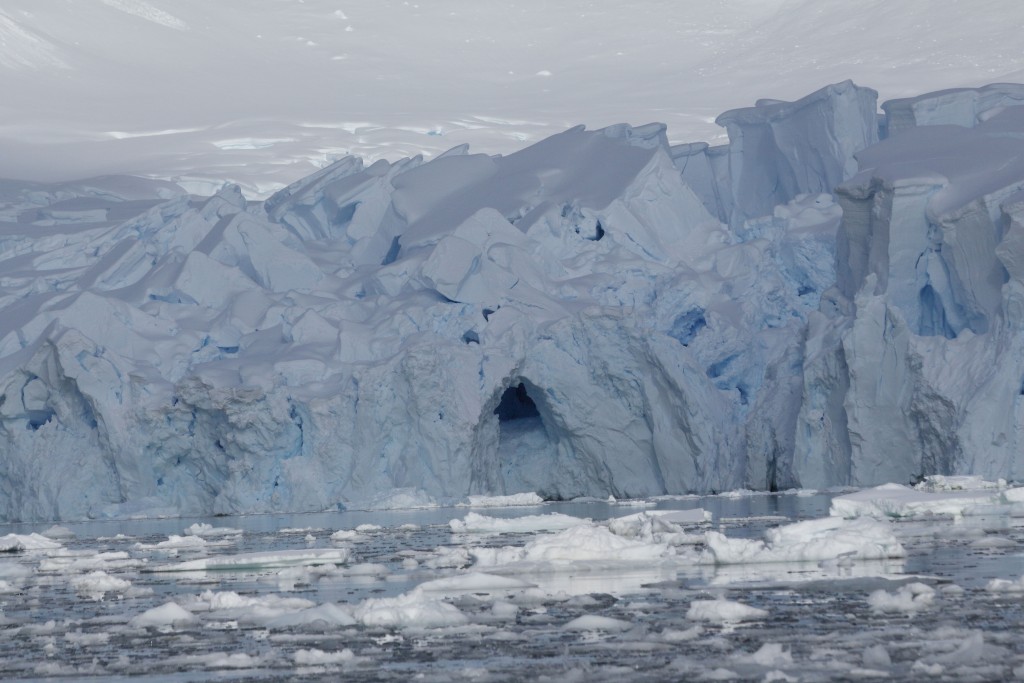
<point>835,297</point>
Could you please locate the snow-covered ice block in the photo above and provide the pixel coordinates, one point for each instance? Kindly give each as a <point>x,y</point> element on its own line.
<point>896,500</point>
<point>723,611</point>
<point>590,544</point>
<point>258,561</point>
<point>476,523</point>
<point>11,543</point>
<point>512,500</point>
<point>958,106</point>
<point>810,541</point>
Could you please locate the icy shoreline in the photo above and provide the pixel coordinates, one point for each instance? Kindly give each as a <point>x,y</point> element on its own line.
<point>598,314</point>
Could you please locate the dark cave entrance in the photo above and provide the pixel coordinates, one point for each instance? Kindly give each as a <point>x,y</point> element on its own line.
<point>516,404</point>
<point>527,450</point>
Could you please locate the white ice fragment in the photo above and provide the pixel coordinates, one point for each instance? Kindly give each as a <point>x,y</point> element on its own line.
<point>934,483</point>
<point>327,614</point>
<point>415,609</point>
<point>474,582</point>
<point>769,655</point>
<point>476,523</point>
<point>810,541</point>
<point>257,561</point>
<point>723,611</point>
<point>315,657</point>
<point>210,531</point>
<point>594,622</point>
<point>20,542</point>
<point>578,544</point>
<point>1005,585</point>
<point>512,500</point>
<point>910,599</point>
<point>175,542</point>
<point>896,500</point>
<point>97,584</point>
<point>168,614</point>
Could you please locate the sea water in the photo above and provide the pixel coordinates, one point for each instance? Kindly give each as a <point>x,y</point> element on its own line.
<point>102,605</point>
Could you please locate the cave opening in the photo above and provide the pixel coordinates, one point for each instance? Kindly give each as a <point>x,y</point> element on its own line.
<point>527,453</point>
<point>516,404</point>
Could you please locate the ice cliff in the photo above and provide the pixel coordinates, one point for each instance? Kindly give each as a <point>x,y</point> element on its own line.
<point>600,313</point>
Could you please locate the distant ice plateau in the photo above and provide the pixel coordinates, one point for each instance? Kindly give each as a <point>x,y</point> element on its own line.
<point>834,298</point>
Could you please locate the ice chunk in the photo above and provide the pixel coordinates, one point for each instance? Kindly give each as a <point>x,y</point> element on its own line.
<point>209,531</point>
<point>910,598</point>
<point>513,500</point>
<point>316,657</point>
<point>723,611</point>
<point>477,523</point>
<point>12,543</point>
<point>1005,586</point>
<point>415,609</point>
<point>95,585</point>
<point>810,541</point>
<point>578,544</point>
<point>258,561</point>
<point>168,614</point>
<point>594,622</point>
<point>895,500</point>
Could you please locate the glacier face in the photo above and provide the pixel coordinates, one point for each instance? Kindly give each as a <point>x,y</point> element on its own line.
<point>600,313</point>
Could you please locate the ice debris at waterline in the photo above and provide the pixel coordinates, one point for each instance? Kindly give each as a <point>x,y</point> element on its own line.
<point>598,314</point>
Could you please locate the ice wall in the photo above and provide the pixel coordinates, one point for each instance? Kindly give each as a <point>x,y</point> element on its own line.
<point>600,313</point>
<point>917,368</point>
<point>778,150</point>
<point>964,107</point>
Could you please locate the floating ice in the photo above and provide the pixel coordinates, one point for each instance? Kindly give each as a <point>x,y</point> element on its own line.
<point>810,541</point>
<point>168,614</point>
<point>260,561</point>
<point>315,657</point>
<point>415,609</point>
<point>910,598</point>
<point>512,500</point>
<point>95,585</point>
<point>896,500</point>
<point>661,526</point>
<point>477,523</point>
<point>210,531</point>
<point>590,544</point>
<point>1005,586</point>
<point>723,611</point>
<point>594,622</point>
<point>12,543</point>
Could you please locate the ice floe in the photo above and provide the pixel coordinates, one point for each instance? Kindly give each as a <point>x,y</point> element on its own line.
<point>810,541</point>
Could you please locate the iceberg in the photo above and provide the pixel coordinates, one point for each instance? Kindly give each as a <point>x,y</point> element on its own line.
<point>601,313</point>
